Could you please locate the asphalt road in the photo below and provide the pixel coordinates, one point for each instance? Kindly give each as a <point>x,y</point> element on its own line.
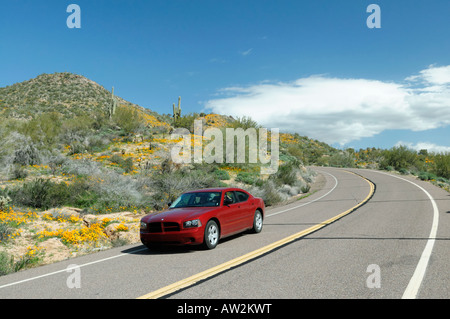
<point>394,246</point>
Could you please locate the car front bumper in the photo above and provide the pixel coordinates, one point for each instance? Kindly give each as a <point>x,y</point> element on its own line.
<point>192,236</point>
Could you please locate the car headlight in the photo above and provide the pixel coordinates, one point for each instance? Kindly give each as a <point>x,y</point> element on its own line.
<point>143,225</point>
<point>192,223</point>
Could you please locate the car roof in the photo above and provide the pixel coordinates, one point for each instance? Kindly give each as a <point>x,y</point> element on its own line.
<point>215,189</point>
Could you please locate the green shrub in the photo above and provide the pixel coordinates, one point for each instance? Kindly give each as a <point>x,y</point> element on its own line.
<point>128,119</point>
<point>342,159</point>
<point>8,265</point>
<point>286,174</point>
<point>427,176</point>
<point>442,165</point>
<point>76,147</point>
<point>246,177</point>
<point>127,165</point>
<point>18,172</point>
<point>245,122</point>
<point>399,157</point>
<point>5,232</point>
<point>221,174</point>
<point>270,195</point>
<point>32,194</point>
<point>44,194</point>
<point>26,154</point>
<point>187,121</point>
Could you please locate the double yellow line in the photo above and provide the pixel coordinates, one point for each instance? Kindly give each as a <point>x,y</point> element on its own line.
<point>252,255</point>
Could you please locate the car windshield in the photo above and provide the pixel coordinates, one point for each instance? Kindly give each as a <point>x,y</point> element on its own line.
<point>200,199</point>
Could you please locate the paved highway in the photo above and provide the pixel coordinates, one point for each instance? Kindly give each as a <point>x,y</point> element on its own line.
<point>391,242</point>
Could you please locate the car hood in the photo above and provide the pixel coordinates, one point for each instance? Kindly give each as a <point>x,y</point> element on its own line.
<point>177,214</point>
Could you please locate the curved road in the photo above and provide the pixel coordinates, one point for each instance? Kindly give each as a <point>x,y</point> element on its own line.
<point>396,245</point>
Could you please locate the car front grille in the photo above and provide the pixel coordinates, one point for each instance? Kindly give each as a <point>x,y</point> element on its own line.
<point>161,227</point>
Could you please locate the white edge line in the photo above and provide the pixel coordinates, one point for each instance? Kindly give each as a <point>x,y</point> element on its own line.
<point>67,269</point>
<point>416,280</point>
<point>291,208</point>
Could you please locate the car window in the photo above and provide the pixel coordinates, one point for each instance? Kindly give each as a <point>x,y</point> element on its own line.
<point>200,199</point>
<point>231,196</point>
<point>241,196</point>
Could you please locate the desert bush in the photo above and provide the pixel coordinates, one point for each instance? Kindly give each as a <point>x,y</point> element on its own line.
<point>76,147</point>
<point>442,165</point>
<point>32,194</point>
<point>244,122</point>
<point>115,190</point>
<point>342,159</point>
<point>5,200</point>
<point>187,121</point>
<point>100,188</point>
<point>126,164</point>
<point>55,162</point>
<point>9,265</point>
<point>308,175</point>
<point>43,129</point>
<point>286,174</point>
<point>18,172</point>
<point>249,178</point>
<point>222,174</point>
<point>5,232</point>
<point>16,148</point>
<point>399,157</point>
<point>427,176</point>
<point>42,193</point>
<point>26,154</point>
<point>128,119</point>
<point>6,263</point>
<point>269,193</point>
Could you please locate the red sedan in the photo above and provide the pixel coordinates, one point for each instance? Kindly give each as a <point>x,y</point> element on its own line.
<point>203,217</point>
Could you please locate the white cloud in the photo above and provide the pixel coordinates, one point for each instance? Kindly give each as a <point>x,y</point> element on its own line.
<point>247,52</point>
<point>433,75</point>
<point>431,147</point>
<point>336,110</point>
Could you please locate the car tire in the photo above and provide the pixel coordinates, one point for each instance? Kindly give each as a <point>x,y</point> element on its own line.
<point>212,234</point>
<point>257,222</point>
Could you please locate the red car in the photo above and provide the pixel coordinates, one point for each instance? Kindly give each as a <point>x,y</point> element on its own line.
<point>203,217</point>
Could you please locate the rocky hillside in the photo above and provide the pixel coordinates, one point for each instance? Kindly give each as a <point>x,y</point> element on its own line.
<point>65,93</point>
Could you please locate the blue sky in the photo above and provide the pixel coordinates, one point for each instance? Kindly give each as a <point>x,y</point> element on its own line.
<point>312,67</point>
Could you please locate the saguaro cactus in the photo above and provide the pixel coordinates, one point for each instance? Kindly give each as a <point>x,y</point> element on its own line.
<point>113,106</point>
<point>176,111</point>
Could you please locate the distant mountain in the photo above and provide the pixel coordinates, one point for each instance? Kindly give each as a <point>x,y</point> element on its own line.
<point>65,93</point>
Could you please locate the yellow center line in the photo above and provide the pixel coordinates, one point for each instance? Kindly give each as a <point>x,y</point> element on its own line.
<point>252,255</point>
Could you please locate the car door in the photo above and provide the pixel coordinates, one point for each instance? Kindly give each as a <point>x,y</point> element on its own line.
<point>230,215</point>
<point>246,209</point>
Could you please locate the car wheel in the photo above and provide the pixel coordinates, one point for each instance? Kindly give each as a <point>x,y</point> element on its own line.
<point>211,238</point>
<point>257,222</point>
